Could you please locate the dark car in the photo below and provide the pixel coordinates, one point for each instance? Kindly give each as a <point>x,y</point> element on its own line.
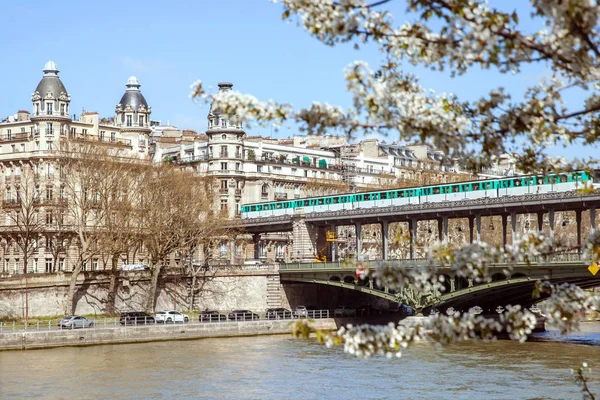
<point>243,315</point>
<point>211,316</point>
<point>136,318</point>
<point>278,313</point>
<point>367,309</point>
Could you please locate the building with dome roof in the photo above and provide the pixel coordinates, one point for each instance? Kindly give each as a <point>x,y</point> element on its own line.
<point>35,141</point>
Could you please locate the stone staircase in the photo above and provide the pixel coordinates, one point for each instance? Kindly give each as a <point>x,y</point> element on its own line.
<point>273,291</point>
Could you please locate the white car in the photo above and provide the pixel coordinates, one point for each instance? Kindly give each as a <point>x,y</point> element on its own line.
<point>171,316</point>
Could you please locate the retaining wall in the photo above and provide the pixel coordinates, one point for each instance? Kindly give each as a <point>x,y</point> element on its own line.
<point>25,340</point>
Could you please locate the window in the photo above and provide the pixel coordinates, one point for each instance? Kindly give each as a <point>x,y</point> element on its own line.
<point>49,193</point>
<point>22,147</point>
<point>224,137</point>
<point>237,207</point>
<point>73,131</point>
<point>262,250</point>
<point>8,133</point>
<point>259,168</point>
<point>8,194</point>
<point>224,184</point>
<point>141,118</point>
<point>6,268</point>
<point>223,166</point>
<point>113,136</point>
<point>61,264</point>
<point>224,151</point>
<point>49,108</point>
<point>128,120</point>
<point>101,135</point>
<point>62,109</point>
<point>223,249</point>
<point>13,148</point>
<point>49,265</point>
<point>49,128</point>
<point>280,252</point>
<point>49,217</point>
<point>237,166</point>
<point>49,146</point>
<point>95,264</point>
<point>223,123</point>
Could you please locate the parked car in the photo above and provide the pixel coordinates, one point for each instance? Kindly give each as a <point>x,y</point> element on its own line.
<point>136,318</point>
<point>278,313</point>
<point>305,311</point>
<point>368,309</point>
<point>171,316</point>
<point>243,315</point>
<point>211,316</point>
<point>344,311</point>
<point>75,321</point>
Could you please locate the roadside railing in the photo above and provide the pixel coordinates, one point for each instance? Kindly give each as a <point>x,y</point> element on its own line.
<point>118,323</point>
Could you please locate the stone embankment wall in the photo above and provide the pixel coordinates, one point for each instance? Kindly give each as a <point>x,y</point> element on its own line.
<point>21,340</point>
<point>222,289</point>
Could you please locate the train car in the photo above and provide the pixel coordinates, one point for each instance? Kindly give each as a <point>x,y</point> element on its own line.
<point>512,186</point>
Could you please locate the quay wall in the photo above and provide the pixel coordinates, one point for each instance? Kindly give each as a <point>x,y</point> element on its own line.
<point>25,340</point>
<point>222,290</point>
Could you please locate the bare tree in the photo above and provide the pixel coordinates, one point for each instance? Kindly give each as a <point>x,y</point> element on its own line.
<point>84,178</point>
<point>175,211</point>
<point>24,213</point>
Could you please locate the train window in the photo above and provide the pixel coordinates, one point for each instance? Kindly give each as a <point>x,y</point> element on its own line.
<point>278,206</point>
<point>367,196</point>
<point>252,208</point>
<point>306,203</point>
<point>476,186</point>
<point>487,185</point>
<point>383,195</point>
<point>336,200</point>
<point>563,178</point>
<point>454,188</point>
<point>320,201</point>
<point>436,190</point>
<point>517,182</point>
<point>343,199</point>
<point>402,194</point>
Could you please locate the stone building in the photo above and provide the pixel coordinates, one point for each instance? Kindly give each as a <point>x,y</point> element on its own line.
<point>32,142</point>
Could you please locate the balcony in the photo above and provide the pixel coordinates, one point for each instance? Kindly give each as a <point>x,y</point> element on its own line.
<point>224,190</point>
<point>185,160</point>
<point>58,114</point>
<point>281,196</point>
<point>111,140</point>
<point>14,137</point>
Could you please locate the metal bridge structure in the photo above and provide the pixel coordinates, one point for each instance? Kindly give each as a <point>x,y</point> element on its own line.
<point>501,289</point>
<point>309,232</point>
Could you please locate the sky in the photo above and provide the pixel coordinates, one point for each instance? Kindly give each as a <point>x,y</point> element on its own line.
<point>170,45</point>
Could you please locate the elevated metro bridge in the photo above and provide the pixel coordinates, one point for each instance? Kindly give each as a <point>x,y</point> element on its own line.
<point>309,229</point>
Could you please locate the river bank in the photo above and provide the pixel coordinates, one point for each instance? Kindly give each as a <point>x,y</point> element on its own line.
<point>98,335</point>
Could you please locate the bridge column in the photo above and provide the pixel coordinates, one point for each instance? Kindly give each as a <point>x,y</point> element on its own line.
<point>578,223</point>
<point>412,230</point>
<point>540,220</point>
<point>471,223</point>
<point>256,241</point>
<point>384,240</point>
<point>478,226</point>
<point>513,226</point>
<point>304,245</point>
<point>332,245</point>
<point>504,229</point>
<point>551,222</point>
<point>358,227</point>
<point>443,229</point>
<point>592,219</point>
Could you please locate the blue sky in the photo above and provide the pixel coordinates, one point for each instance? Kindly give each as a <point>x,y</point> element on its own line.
<point>169,45</point>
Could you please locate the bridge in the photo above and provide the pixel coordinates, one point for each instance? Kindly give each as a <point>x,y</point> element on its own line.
<point>310,229</point>
<point>459,293</point>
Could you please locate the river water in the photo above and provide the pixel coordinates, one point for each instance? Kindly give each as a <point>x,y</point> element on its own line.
<point>281,367</point>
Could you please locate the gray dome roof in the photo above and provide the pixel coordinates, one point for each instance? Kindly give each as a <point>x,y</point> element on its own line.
<point>50,82</point>
<point>133,97</point>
